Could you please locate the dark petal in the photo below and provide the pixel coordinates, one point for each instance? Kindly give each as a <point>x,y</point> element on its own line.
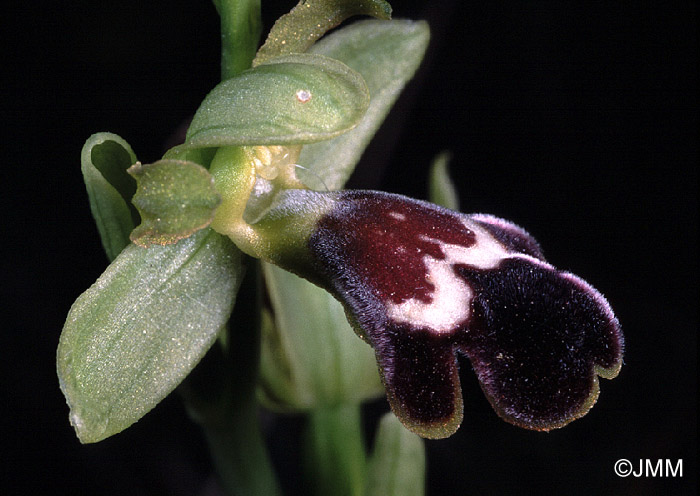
<point>538,339</point>
<point>421,377</point>
<point>513,237</point>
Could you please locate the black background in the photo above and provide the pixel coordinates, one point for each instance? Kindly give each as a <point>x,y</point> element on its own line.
<point>577,120</point>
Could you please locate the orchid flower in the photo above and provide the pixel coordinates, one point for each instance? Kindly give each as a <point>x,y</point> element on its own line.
<point>420,282</point>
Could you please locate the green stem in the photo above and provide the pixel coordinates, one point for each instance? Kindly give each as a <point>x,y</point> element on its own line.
<point>220,396</point>
<point>239,454</point>
<point>335,454</point>
<point>241,27</point>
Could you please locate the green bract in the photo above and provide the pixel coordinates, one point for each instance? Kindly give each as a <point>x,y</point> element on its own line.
<point>441,189</point>
<point>312,362</point>
<point>387,54</point>
<point>296,31</point>
<point>175,199</point>
<point>294,99</point>
<point>141,328</point>
<point>397,464</point>
<point>104,161</point>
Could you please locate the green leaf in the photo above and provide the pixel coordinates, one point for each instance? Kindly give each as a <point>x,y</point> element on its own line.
<point>104,161</point>
<point>174,198</point>
<point>289,100</point>
<point>441,189</point>
<point>397,464</point>
<point>312,357</point>
<point>132,337</point>
<point>386,54</point>
<point>296,31</point>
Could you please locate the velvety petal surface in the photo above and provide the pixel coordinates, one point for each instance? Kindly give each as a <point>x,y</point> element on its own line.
<point>420,282</point>
<point>538,339</point>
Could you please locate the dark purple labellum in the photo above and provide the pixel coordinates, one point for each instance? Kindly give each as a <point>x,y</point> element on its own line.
<point>420,282</point>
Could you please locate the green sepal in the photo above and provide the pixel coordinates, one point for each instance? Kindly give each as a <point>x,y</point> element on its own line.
<point>293,99</point>
<point>103,161</point>
<point>386,54</point>
<point>311,357</point>
<point>296,31</point>
<point>175,199</point>
<point>441,188</point>
<point>133,336</point>
<point>397,464</point>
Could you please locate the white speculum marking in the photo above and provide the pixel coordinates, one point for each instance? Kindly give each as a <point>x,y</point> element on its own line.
<point>452,296</point>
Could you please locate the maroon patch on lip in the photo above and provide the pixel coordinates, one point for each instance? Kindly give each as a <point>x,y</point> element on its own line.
<point>374,239</point>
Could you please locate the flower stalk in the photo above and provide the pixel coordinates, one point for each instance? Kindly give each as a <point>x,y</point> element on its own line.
<point>220,397</point>
<point>335,458</point>
<point>241,28</point>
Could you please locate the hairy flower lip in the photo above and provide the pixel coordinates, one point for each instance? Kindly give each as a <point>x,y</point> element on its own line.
<point>420,282</point>
<point>537,375</point>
